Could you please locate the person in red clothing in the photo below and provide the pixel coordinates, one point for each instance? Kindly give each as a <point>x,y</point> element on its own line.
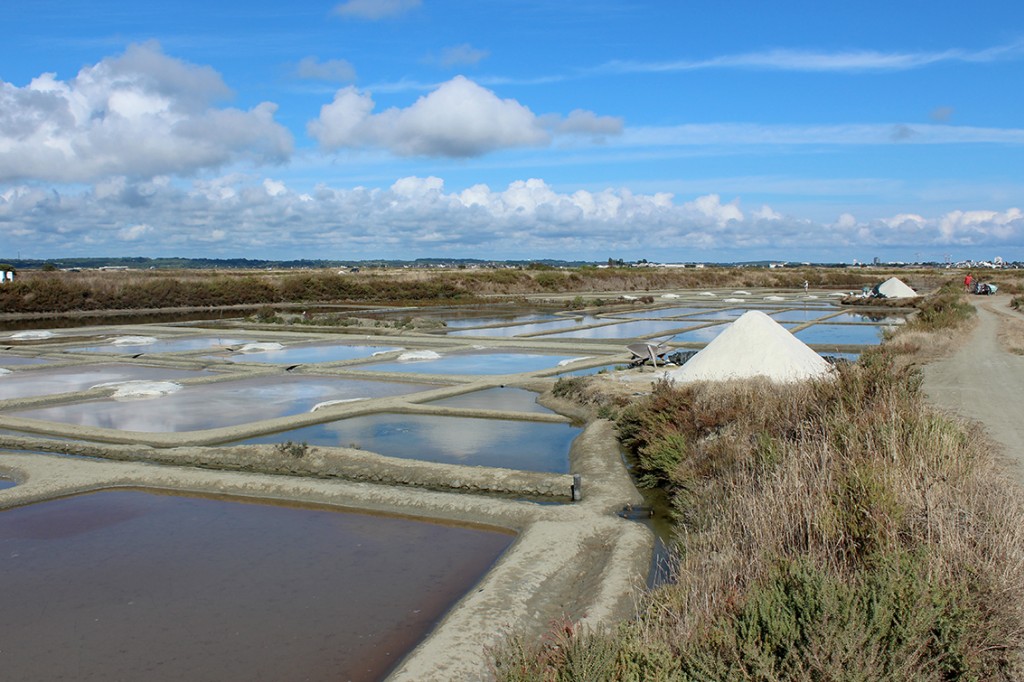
<point>967,282</point>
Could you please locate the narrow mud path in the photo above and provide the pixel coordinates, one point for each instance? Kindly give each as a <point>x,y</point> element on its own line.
<point>984,382</point>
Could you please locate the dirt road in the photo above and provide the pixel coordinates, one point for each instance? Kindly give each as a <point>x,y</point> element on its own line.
<point>985,383</point>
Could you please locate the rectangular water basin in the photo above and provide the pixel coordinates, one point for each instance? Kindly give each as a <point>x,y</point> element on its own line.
<point>19,361</point>
<point>869,318</point>
<point>506,398</point>
<point>523,329</point>
<point>662,312</point>
<point>531,446</point>
<point>131,585</point>
<point>457,323</point>
<point>229,403</point>
<point>298,355</point>
<point>622,330</point>
<point>28,384</point>
<point>702,335</point>
<point>476,362</point>
<point>149,344</point>
<point>842,334</point>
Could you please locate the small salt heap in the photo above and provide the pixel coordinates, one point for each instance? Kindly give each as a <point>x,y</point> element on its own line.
<point>754,345</point>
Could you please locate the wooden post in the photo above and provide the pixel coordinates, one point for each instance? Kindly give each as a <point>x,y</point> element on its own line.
<point>577,482</point>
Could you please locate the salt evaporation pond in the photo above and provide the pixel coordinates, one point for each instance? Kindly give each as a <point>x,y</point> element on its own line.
<point>523,329</point>
<point>704,334</point>
<point>131,585</point>
<point>455,323</point>
<point>31,383</point>
<point>841,334</point>
<point>531,446</point>
<point>505,399</point>
<point>228,403</point>
<point>479,362</point>
<point>162,346</point>
<point>18,361</point>
<point>662,312</point>
<point>801,314</point>
<point>869,318</point>
<point>297,355</point>
<point>622,330</point>
<point>7,483</point>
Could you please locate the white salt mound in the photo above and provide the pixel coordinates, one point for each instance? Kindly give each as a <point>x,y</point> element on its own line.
<point>754,345</point>
<point>741,293</point>
<point>774,298</point>
<point>414,355</point>
<point>732,300</point>
<point>133,340</point>
<point>4,371</point>
<point>328,403</point>
<point>895,288</point>
<point>706,293</point>
<point>28,336</point>
<point>569,361</point>
<point>140,390</point>
<point>260,347</point>
<point>670,295</point>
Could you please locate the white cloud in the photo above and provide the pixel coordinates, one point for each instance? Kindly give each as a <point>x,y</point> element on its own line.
<point>139,114</point>
<point>375,9</point>
<point>458,119</point>
<point>237,215</point>
<point>338,70</point>
<point>460,55</point>
<point>811,61</point>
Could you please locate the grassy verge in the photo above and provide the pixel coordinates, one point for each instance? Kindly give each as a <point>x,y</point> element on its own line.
<point>839,530</point>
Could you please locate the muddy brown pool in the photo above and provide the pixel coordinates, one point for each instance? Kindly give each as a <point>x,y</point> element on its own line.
<point>132,585</point>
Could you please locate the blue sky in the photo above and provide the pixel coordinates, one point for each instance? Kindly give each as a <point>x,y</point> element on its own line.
<point>672,131</point>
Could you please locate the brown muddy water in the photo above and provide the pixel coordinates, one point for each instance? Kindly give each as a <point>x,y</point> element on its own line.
<point>132,585</point>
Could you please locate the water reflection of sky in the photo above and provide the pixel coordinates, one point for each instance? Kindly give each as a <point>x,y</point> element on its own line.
<point>531,446</point>
<point>520,329</point>
<point>229,403</point>
<point>311,354</point>
<point>506,398</point>
<point>840,334</point>
<point>18,361</point>
<point>622,330</point>
<point>32,383</point>
<point>703,334</point>
<point>474,363</point>
<point>165,346</point>
<point>661,312</point>
<point>132,585</point>
<point>802,314</point>
<point>6,483</point>
<point>506,319</point>
<point>870,318</point>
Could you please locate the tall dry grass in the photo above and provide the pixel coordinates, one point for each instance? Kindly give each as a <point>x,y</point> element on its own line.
<point>839,530</point>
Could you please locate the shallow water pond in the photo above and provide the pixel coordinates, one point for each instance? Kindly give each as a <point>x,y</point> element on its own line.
<point>622,330</point>
<point>841,334</point>
<point>476,362</point>
<point>130,585</point>
<point>532,446</point>
<point>162,346</point>
<point>662,312</point>
<point>457,323</point>
<point>7,483</point>
<point>702,335</point>
<point>508,399</point>
<point>18,361</point>
<point>32,383</point>
<point>869,318</point>
<point>523,329</point>
<point>228,403</point>
<point>298,355</point>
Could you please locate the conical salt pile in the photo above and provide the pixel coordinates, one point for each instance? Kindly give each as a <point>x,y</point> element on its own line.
<point>755,345</point>
<point>895,288</point>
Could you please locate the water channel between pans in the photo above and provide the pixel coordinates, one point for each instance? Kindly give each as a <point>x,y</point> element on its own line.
<point>135,585</point>
<point>530,446</point>
<point>229,403</point>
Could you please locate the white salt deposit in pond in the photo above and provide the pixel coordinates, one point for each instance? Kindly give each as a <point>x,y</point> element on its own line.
<point>670,295</point>
<point>741,293</point>
<point>260,347</point>
<point>4,371</point>
<point>328,403</point>
<point>133,340</point>
<point>140,390</point>
<point>754,345</point>
<point>384,352</point>
<point>774,298</point>
<point>563,363</point>
<point>29,336</point>
<point>414,355</point>
<point>732,300</point>
<point>706,293</point>
<point>629,298</point>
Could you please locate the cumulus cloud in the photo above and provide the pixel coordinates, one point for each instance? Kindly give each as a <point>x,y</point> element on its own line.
<point>375,9</point>
<point>239,215</point>
<point>458,119</point>
<point>339,70</point>
<point>139,114</point>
